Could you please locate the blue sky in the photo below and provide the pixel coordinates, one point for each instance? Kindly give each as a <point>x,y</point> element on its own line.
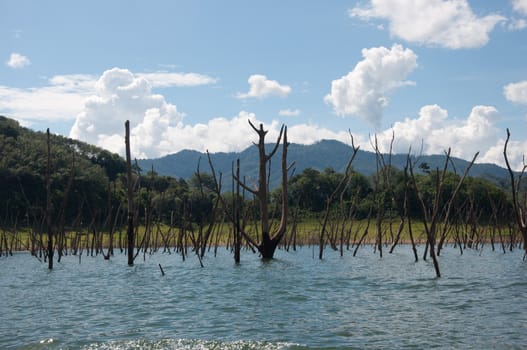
<point>188,74</point>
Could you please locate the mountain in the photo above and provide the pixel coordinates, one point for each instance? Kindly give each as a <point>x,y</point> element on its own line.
<point>321,155</point>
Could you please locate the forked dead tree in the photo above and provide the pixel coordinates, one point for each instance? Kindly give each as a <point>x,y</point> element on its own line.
<point>269,241</point>
<point>519,205</point>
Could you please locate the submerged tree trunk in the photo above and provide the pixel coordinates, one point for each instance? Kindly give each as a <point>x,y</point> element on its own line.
<point>49,228</point>
<point>338,191</point>
<point>236,211</point>
<point>270,241</point>
<point>519,207</point>
<point>130,229</point>
<point>432,212</point>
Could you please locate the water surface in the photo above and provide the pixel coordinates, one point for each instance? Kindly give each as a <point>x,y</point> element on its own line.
<point>293,302</point>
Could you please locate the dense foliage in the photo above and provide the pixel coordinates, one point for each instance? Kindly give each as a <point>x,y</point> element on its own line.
<point>84,171</point>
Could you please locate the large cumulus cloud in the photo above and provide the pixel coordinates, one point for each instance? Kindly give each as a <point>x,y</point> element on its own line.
<point>363,92</point>
<point>120,96</point>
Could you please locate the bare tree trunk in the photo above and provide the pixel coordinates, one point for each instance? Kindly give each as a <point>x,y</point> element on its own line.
<point>432,214</point>
<point>520,208</point>
<point>130,230</point>
<point>364,234</point>
<point>269,241</point>
<point>341,187</point>
<point>236,211</point>
<point>48,204</point>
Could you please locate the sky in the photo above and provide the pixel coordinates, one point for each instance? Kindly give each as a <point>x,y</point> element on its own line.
<point>428,75</point>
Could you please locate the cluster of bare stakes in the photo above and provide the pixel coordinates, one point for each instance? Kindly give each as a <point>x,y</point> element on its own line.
<point>262,227</point>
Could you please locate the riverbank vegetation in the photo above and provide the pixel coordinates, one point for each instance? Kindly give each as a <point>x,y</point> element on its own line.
<point>81,199</point>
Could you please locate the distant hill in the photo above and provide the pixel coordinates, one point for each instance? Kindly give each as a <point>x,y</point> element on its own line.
<point>321,155</point>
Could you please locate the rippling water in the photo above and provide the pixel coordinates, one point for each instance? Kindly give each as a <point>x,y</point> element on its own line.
<point>292,302</point>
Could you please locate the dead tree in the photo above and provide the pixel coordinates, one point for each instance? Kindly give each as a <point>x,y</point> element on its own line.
<point>405,215</point>
<point>205,233</point>
<point>432,211</point>
<point>383,188</point>
<point>130,229</point>
<point>236,212</point>
<point>269,241</point>
<point>49,228</point>
<point>519,205</point>
<point>339,190</point>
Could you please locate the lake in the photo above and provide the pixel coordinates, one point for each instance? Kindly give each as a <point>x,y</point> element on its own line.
<point>292,302</point>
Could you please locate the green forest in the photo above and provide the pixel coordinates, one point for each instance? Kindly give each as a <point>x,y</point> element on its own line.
<point>85,200</point>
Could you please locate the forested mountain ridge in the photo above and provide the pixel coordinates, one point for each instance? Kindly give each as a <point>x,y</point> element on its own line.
<point>321,155</point>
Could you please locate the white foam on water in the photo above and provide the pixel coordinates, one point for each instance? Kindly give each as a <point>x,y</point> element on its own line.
<point>189,344</point>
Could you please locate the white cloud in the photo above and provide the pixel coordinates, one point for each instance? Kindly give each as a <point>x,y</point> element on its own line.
<point>60,99</point>
<point>289,112</point>
<point>157,127</point>
<point>156,135</point>
<point>516,92</point>
<point>516,24</point>
<point>363,91</point>
<point>433,132</point>
<point>261,87</point>
<point>308,134</point>
<point>17,60</point>
<point>438,132</point>
<point>515,154</point>
<point>520,6</point>
<point>445,23</point>
<point>168,79</point>
<point>120,96</point>
<point>63,96</point>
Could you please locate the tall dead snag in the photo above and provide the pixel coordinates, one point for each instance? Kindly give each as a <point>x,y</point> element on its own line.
<point>236,212</point>
<point>519,206</point>
<point>269,242</point>
<point>433,212</point>
<point>130,230</point>
<point>49,228</point>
